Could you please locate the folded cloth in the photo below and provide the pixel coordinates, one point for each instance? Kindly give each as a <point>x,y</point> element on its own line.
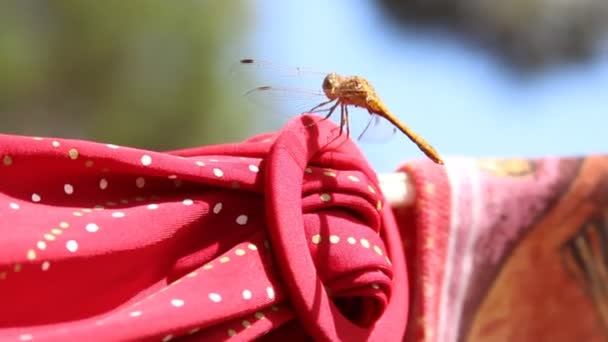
<point>282,236</point>
<point>508,250</point>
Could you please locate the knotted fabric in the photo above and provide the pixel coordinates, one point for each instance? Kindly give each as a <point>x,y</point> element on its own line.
<point>282,236</point>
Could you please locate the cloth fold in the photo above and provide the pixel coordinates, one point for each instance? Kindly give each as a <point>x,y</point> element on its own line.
<point>280,235</point>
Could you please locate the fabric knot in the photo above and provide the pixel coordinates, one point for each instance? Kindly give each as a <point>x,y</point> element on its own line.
<point>281,235</point>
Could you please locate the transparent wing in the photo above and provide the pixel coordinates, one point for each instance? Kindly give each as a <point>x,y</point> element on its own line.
<point>248,65</point>
<point>249,73</point>
<point>377,130</point>
<point>286,102</point>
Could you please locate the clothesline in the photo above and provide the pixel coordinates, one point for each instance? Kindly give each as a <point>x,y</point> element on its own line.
<point>397,188</point>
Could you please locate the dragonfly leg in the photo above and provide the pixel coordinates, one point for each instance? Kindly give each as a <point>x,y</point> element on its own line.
<point>347,121</point>
<point>342,109</point>
<point>331,111</point>
<point>312,110</point>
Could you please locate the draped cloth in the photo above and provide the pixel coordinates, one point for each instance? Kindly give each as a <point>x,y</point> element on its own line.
<point>282,236</point>
<point>287,236</point>
<point>508,249</point>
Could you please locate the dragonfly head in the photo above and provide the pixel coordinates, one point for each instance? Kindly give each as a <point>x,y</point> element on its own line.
<point>331,84</point>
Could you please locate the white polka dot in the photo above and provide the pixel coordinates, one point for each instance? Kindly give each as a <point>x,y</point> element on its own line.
<point>45,266</point>
<point>68,189</point>
<point>239,252</point>
<point>73,153</point>
<point>31,254</point>
<point>325,197</point>
<point>25,337</point>
<point>231,332</point>
<point>152,206</point>
<point>167,338</point>
<point>316,239</point>
<point>41,245</point>
<point>270,292</point>
<point>55,143</point>
<point>200,163</point>
<point>254,168</point>
<point>146,160</point>
<point>213,160</point>
<point>242,219</point>
<point>215,297</point>
<point>246,323</point>
<point>217,172</point>
<point>378,250</point>
<point>118,214</point>
<point>38,138</point>
<point>329,173</point>
<point>92,227</point>
<point>112,146</point>
<point>14,205</point>
<point>71,245</point>
<point>375,286</point>
<point>140,182</point>
<point>252,246</point>
<point>172,177</point>
<point>217,207</point>
<point>334,239</point>
<point>135,313</point>
<point>103,184</point>
<point>177,302</point>
<point>351,240</point>
<point>364,243</point>
<point>187,201</point>
<point>246,294</point>
<point>353,178</point>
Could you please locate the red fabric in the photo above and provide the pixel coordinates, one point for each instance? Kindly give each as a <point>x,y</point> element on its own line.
<point>280,236</point>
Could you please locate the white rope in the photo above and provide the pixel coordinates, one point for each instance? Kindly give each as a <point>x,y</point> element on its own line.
<point>397,189</point>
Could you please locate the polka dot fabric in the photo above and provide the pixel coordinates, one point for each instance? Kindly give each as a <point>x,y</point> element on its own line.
<point>281,236</point>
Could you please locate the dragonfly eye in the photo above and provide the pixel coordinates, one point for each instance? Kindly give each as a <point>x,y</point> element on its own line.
<point>330,85</point>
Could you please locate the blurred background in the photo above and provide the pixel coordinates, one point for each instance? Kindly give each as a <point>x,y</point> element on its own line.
<point>474,78</point>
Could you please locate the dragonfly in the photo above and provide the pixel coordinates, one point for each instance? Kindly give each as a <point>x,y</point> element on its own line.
<point>341,92</point>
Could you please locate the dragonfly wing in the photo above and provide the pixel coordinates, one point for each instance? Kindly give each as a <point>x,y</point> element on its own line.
<point>286,102</point>
<point>377,130</point>
<point>248,73</point>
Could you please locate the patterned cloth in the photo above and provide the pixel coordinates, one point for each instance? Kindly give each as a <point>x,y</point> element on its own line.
<point>508,250</point>
<point>280,237</point>
<point>286,237</point>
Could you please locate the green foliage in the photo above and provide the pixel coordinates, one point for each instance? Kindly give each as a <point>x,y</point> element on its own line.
<point>141,73</point>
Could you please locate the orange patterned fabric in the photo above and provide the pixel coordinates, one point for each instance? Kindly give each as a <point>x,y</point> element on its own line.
<point>508,250</point>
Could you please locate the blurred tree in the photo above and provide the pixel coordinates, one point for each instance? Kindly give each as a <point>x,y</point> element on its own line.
<point>528,34</point>
<point>141,73</point>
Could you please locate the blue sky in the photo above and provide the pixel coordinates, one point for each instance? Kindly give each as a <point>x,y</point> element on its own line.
<point>461,100</point>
